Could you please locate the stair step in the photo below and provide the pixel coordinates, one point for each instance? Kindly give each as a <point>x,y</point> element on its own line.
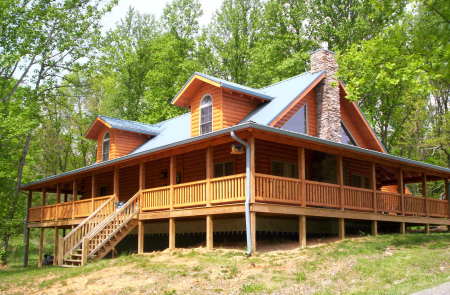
<point>73,260</point>
<point>69,265</point>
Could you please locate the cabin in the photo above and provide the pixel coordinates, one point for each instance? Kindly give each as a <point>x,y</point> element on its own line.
<point>294,159</point>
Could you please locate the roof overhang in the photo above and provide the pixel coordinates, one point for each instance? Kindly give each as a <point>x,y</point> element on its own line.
<point>100,124</point>
<point>187,92</point>
<point>308,139</point>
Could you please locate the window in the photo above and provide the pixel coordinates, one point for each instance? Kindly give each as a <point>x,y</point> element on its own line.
<point>223,169</point>
<point>206,114</point>
<point>105,147</point>
<point>297,122</point>
<point>285,169</point>
<point>346,136</point>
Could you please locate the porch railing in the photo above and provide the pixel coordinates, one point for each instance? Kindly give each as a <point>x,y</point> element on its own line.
<point>66,210</point>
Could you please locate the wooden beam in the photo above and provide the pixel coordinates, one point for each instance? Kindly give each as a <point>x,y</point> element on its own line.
<point>374,227</point>
<point>425,192</point>
<point>447,194</point>
<point>302,231</point>
<point>340,178</point>
<point>172,233</point>
<point>141,236</point>
<point>116,183</point>
<point>26,230</point>
<point>41,247</point>
<point>251,142</point>
<point>142,176</point>
<point>209,174</point>
<point>341,225</point>
<point>209,232</point>
<point>374,186</point>
<point>403,228</point>
<point>172,178</point>
<point>401,189</point>
<point>427,228</point>
<point>93,191</point>
<point>56,246</point>
<point>302,174</point>
<point>74,197</point>
<point>253,229</point>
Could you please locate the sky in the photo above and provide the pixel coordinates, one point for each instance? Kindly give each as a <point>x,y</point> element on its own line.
<point>156,8</point>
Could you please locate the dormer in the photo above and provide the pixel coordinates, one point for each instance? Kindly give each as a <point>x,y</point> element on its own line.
<point>116,138</point>
<point>216,104</point>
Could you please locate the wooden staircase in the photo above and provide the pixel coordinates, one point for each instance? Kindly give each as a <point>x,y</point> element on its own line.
<point>98,234</point>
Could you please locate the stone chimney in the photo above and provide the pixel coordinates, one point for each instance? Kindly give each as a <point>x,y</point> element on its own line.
<point>328,104</point>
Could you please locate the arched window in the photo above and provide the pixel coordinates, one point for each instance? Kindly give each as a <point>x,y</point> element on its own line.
<point>206,114</point>
<point>105,147</point>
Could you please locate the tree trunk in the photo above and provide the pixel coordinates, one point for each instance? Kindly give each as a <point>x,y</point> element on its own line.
<point>14,201</point>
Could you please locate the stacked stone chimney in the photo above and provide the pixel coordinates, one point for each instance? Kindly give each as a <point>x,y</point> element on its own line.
<point>328,104</point>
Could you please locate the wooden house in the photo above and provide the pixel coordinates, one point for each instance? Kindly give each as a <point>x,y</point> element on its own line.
<point>241,159</point>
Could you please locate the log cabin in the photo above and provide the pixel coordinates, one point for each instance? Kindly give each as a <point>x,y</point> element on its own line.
<point>292,157</point>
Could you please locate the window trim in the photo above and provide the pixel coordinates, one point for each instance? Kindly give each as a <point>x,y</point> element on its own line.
<point>103,146</point>
<point>200,114</point>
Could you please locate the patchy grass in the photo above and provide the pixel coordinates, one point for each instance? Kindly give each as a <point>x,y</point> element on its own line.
<point>386,264</point>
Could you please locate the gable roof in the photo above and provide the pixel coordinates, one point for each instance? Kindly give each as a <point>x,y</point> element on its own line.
<point>120,124</point>
<point>284,93</point>
<point>218,82</point>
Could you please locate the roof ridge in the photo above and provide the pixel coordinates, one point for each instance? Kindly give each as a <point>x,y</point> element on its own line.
<point>293,77</point>
<point>148,124</point>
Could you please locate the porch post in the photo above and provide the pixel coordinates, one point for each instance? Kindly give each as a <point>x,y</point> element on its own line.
<point>41,246</point>
<point>56,246</point>
<point>116,183</point>
<point>58,200</point>
<point>209,232</point>
<point>447,194</point>
<point>141,236</point>
<point>424,193</point>
<point>302,175</point>
<point>172,233</point>
<point>302,231</point>
<point>403,228</point>
<point>74,196</point>
<point>340,171</point>
<point>43,201</point>
<point>172,179</point>
<point>341,225</point>
<point>93,191</point>
<point>401,189</point>
<point>141,184</point>
<point>26,230</point>
<point>209,174</point>
<point>64,229</point>
<point>374,187</point>
<point>374,227</point>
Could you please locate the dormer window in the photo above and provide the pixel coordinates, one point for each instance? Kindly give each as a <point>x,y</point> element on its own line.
<point>206,114</point>
<point>105,147</point>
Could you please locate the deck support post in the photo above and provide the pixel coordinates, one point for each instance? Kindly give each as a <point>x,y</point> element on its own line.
<point>26,230</point>
<point>172,179</point>
<point>403,228</point>
<point>253,230</point>
<point>172,233</point>
<point>340,176</point>
<point>141,236</point>
<point>302,231</point>
<point>41,247</point>
<point>116,183</point>
<point>56,246</point>
<point>401,190</point>
<point>374,228</point>
<point>341,222</point>
<point>209,174</point>
<point>374,186</point>
<point>427,228</point>
<point>302,175</point>
<point>209,232</point>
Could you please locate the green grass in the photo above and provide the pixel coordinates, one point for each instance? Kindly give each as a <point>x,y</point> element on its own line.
<point>386,264</point>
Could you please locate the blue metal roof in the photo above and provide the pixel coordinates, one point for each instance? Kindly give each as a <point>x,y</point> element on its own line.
<point>131,126</point>
<point>284,93</point>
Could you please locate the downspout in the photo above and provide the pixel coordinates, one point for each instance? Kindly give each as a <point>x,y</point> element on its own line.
<point>248,191</point>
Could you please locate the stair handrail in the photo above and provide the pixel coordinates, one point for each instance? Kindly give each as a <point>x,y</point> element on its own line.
<point>132,204</point>
<point>75,237</point>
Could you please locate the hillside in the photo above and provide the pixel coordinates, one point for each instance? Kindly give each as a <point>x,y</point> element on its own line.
<point>386,264</point>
